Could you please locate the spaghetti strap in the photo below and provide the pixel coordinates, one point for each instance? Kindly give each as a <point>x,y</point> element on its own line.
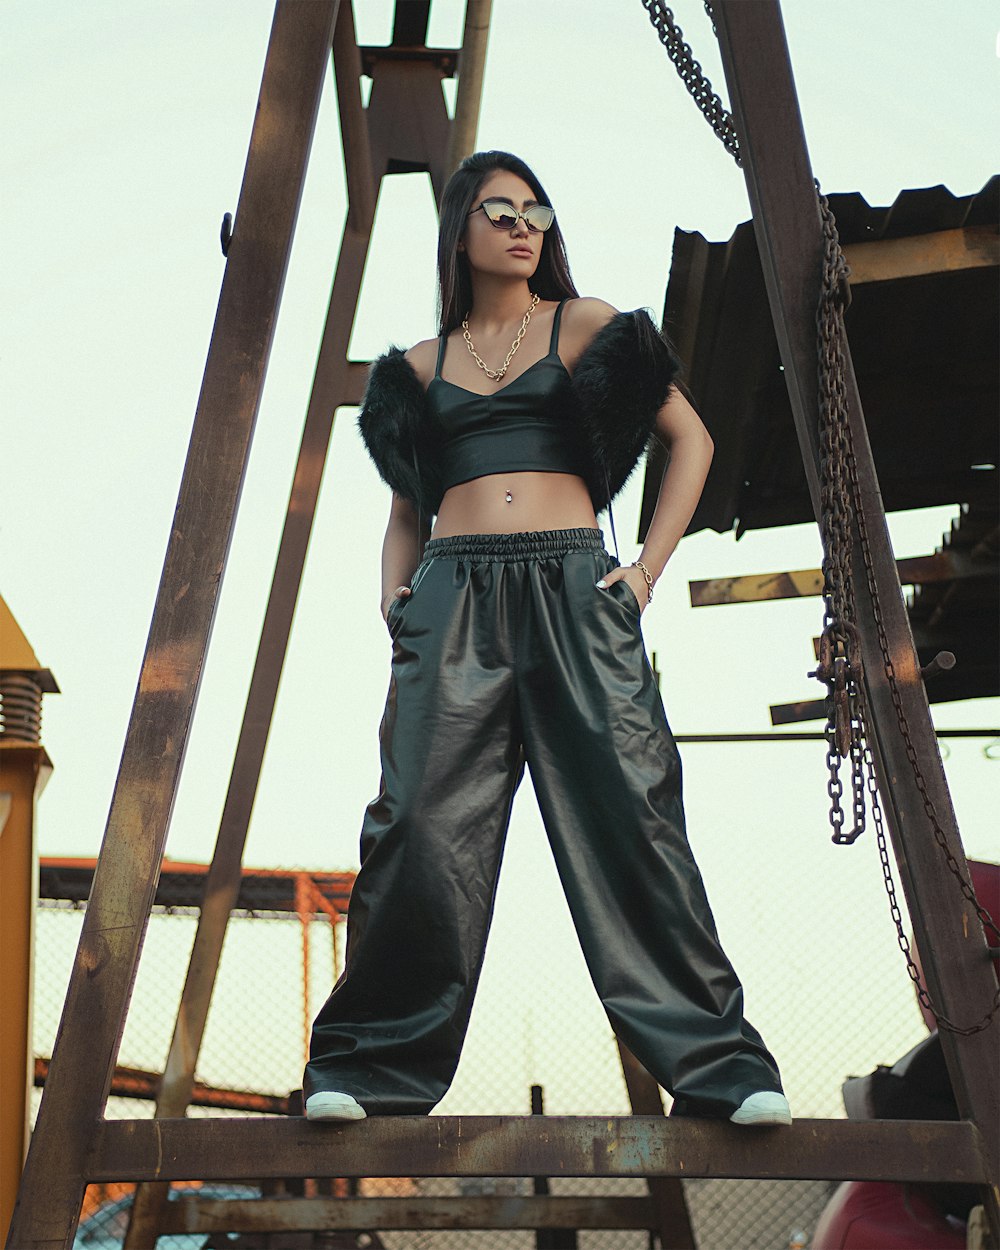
<point>554,342</point>
<point>442,339</point>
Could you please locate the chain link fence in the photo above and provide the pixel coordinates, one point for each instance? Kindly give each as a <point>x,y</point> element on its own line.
<point>805,923</point>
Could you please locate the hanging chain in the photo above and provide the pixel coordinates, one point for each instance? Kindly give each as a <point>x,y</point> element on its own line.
<point>672,38</point>
<point>897,916</point>
<point>840,665</point>
<point>840,494</point>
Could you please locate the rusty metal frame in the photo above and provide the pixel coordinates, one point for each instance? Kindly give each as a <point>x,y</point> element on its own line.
<point>790,241</point>
<point>191,1214</point>
<point>673,1219</point>
<point>914,255</point>
<point>939,566</point>
<point>217,1149</point>
<point>405,127</point>
<point>125,881</point>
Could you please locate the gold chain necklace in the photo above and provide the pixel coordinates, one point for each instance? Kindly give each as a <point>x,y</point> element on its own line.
<point>497,374</point>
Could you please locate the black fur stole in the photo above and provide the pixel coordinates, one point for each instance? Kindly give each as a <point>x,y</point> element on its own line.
<point>619,384</point>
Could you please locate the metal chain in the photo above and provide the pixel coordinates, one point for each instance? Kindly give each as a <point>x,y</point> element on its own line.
<point>701,90</point>
<point>913,971</point>
<point>840,656</point>
<point>890,885</point>
<point>843,477</point>
<point>840,664</point>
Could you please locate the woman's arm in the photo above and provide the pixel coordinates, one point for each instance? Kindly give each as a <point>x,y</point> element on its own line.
<point>401,549</point>
<point>403,544</point>
<point>691,450</point>
<point>681,430</point>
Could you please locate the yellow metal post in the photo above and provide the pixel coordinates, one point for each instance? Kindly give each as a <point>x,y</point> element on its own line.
<point>24,770</point>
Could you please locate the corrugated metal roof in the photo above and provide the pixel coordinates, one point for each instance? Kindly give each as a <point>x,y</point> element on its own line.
<point>923,325</point>
<point>924,330</point>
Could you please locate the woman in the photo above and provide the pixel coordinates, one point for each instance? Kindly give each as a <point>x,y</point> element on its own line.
<point>516,639</point>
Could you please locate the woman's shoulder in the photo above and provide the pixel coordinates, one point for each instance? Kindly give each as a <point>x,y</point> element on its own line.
<point>583,317</point>
<point>589,310</point>
<point>423,357</point>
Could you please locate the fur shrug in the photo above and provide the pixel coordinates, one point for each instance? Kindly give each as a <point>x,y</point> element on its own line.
<point>620,382</point>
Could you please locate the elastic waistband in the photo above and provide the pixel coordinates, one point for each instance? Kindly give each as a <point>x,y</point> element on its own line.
<point>525,545</point>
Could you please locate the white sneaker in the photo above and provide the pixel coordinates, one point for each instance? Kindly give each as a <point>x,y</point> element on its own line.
<point>765,1107</point>
<point>328,1105</point>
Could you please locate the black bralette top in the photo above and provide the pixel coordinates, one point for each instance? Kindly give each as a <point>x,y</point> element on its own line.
<point>524,425</point>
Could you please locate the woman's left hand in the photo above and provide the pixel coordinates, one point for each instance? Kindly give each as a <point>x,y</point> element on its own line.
<point>634,578</point>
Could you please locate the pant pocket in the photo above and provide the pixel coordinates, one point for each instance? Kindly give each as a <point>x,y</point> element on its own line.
<point>626,596</point>
<point>394,616</point>
<point>400,605</point>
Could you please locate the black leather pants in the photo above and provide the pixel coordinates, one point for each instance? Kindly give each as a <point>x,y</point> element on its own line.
<point>506,653</point>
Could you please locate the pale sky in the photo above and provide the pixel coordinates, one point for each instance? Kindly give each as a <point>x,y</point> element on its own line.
<point>126,130</point>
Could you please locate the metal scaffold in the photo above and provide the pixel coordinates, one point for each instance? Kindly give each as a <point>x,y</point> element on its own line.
<point>405,128</point>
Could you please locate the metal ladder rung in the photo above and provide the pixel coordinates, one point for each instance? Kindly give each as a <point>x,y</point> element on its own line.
<point>641,1146</point>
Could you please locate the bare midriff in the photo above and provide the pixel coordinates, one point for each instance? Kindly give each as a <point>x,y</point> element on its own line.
<point>538,501</point>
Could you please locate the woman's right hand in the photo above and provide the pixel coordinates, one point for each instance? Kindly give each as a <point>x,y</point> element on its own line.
<point>401,592</point>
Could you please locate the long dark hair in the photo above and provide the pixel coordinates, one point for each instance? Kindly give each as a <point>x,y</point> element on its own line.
<point>551,279</point>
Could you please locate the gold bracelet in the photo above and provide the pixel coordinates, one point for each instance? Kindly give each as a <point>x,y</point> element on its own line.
<point>638,564</point>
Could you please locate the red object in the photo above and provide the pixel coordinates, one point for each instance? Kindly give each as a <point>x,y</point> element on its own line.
<point>863,1215</point>
<point>986,883</point>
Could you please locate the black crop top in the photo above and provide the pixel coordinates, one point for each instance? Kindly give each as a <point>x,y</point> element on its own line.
<point>523,426</point>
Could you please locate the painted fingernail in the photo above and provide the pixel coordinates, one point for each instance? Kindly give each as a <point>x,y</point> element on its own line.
<point>602,584</point>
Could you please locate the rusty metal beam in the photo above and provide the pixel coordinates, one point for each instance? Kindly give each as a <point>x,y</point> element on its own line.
<point>224,1149</point>
<point>798,713</point>
<point>223,878</point>
<point>813,709</point>
<point>673,1220</point>
<point>407,119</point>
<point>471,66</point>
<point>354,138</point>
<point>125,882</point>
<point>191,1214</point>
<point>140,1084</point>
<point>393,119</point>
<point>263,891</point>
<point>944,251</point>
<point>755,588</point>
<point>789,234</point>
<point>941,566</point>
<point>404,118</point>
<point>409,23</point>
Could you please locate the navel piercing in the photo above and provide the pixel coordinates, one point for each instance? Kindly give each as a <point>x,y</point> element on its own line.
<point>508,497</point>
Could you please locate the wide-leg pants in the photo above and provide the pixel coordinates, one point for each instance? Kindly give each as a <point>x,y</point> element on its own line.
<point>506,653</point>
